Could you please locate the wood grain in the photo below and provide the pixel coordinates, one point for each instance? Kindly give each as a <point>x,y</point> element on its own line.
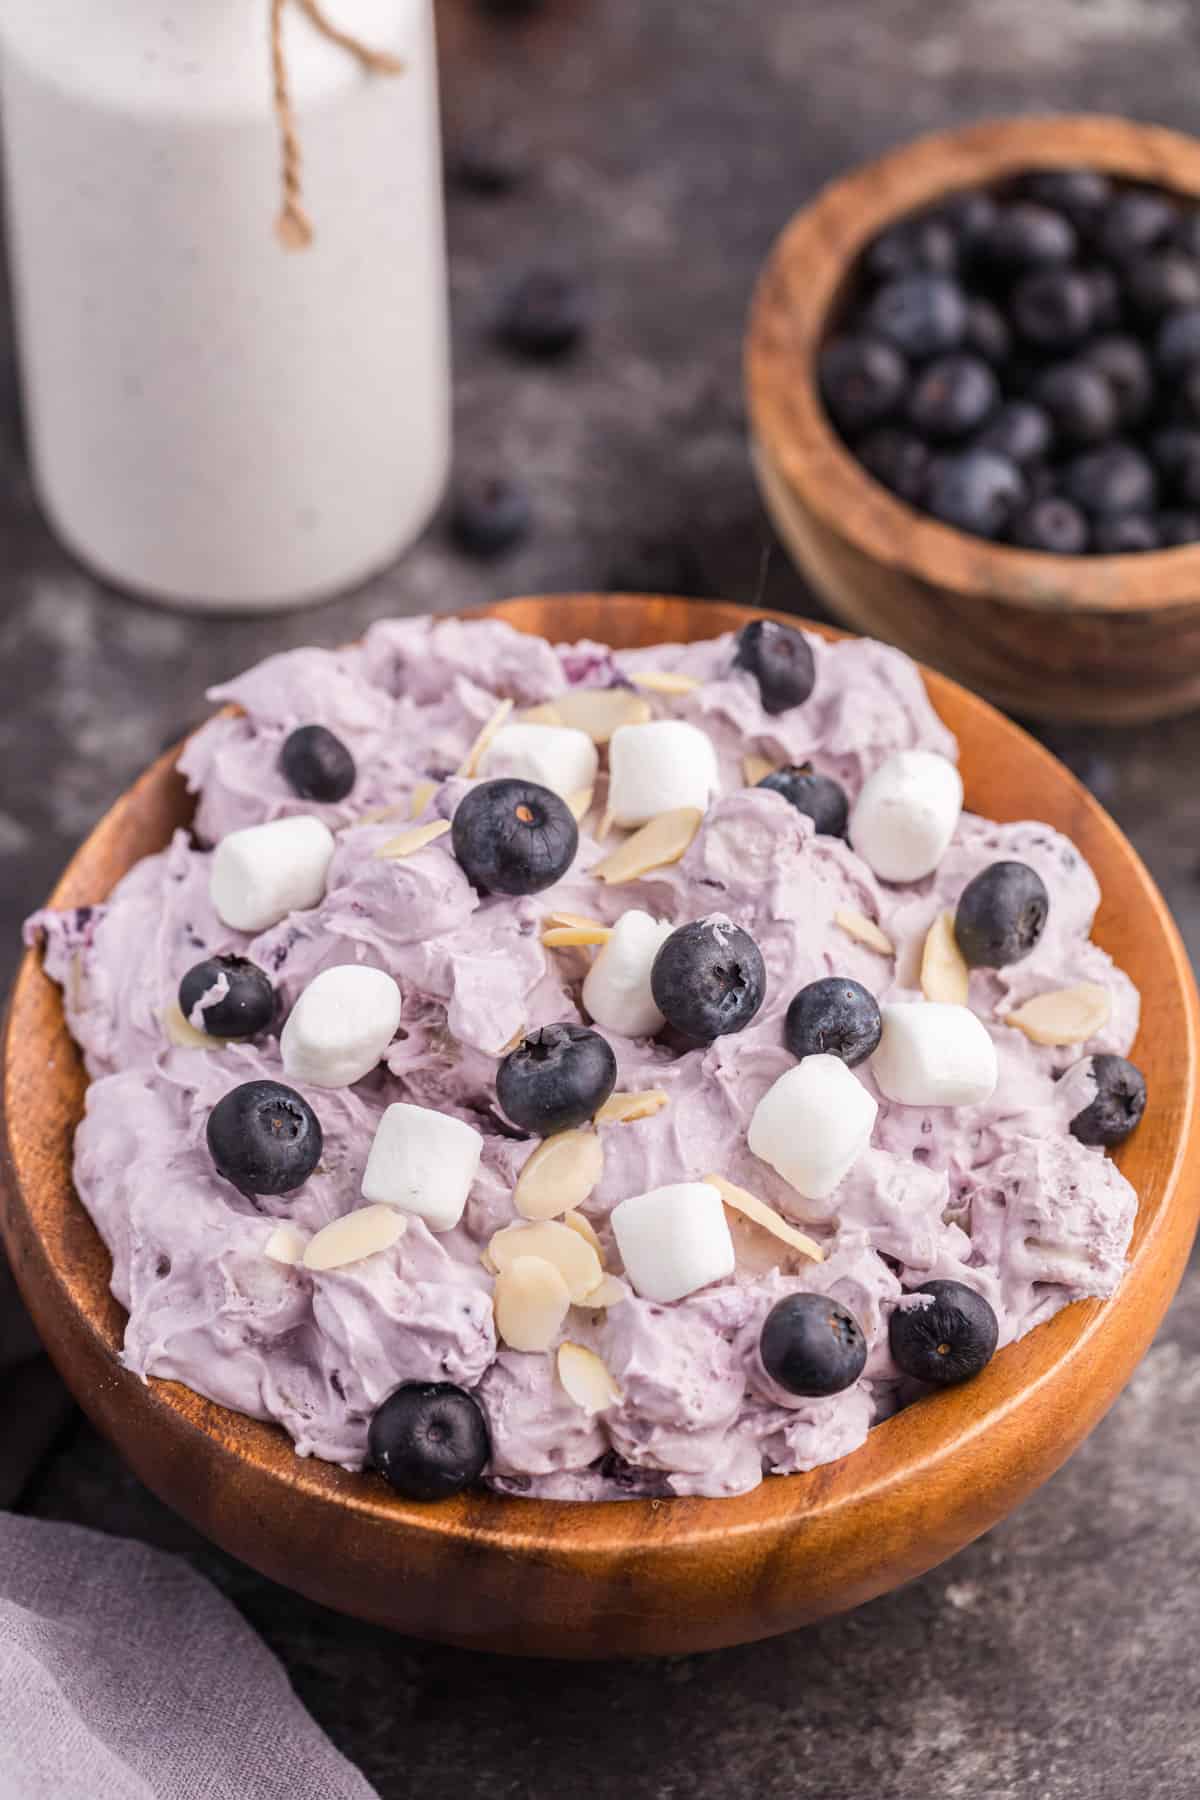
<point>1114,639</point>
<point>671,1576</point>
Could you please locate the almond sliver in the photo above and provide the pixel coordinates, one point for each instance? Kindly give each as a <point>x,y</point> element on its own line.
<point>944,973</point>
<point>624,1109</point>
<point>354,1237</point>
<point>760,1213</point>
<point>420,797</point>
<point>1066,1016</point>
<point>754,768</point>
<point>579,1222</point>
<point>597,711</point>
<point>664,840</point>
<point>863,930</point>
<point>286,1244</point>
<point>569,937</point>
<point>470,761</point>
<point>571,1255</point>
<point>560,1175</point>
<point>414,839</point>
<point>586,1379</point>
<point>530,1302</point>
<point>664,681</point>
<point>183,1033</point>
<point>611,1291</point>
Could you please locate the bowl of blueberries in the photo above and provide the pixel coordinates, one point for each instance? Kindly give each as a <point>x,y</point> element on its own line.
<point>973,371</point>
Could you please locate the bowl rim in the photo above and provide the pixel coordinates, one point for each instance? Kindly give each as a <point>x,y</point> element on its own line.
<point>797,290</point>
<point>1057,1379</point>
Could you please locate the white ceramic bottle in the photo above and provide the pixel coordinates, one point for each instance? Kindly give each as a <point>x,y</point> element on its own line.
<point>216,420</point>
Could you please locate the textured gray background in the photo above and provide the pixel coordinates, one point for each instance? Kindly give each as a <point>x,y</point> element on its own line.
<point>666,144</point>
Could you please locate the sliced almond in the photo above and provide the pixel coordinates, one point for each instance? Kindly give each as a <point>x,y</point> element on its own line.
<point>286,1244</point>
<point>611,1291</point>
<point>760,1213</point>
<point>518,1037</point>
<point>664,840</point>
<point>559,1175</point>
<point>183,1033</point>
<point>530,1302</point>
<point>569,918</point>
<point>574,1259</point>
<point>1066,1016</point>
<point>598,711</point>
<point>412,840</point>
<point>354,1237</point>
<point>571,937</point>
<point>586,1379</point>
<point>623,1109</point>
<point>578,1221</point>
<point>470,761</point>
<point>755,767</point>
<point>579,802</point>
<point>864,930</point>
<point>420,797</point>
<point>944,974</point>
<point>664,681</point>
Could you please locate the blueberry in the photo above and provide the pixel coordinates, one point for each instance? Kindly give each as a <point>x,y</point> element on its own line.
<point>780,659</point>
<point>1115,479</point>
<point>1081,403</point>
<point>1176,528</point>
<point>1177,454</point>
<point>316,765</point>
<point>1051,524</point>
<point>897,459</point>
<point>1106,297</point>
<point>556,1078</point>
<point>245,1009</point>
<point>1019,430</point>
<point>926,243</point>
<point>812,1346</point>
<point>952,396</point>
<point>1124,535</point>
<point>513,837</point>
<point>1028,236</point>
<point>819,797</point>
<point>1041,481</point>
<point>1054,308</point>
<point>265,1138</point>
<point>1187,234</point>
<point>490,516</point>
<point>970,216</point>
<point>708,979</point>
<point>833,1017</point>
<point>1126,367</point>
<point>1178,342</point>
<point>975,490</point>
<point>922,315</point>
<point>429,1440</point>
<point>1079,193</point>
<point>544,315</point>
<point>1119,1104</point>
<point>947,1341</point>
<point>1187,395</point>
<point>1001,915</point>
<point>1163,283</point>
<point>1134,222</point>
<point>862,380</point>
<point>987,332</point>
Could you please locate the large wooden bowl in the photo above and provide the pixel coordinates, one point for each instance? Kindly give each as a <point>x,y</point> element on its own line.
<point>1108,638</point>
<point>601,1580</point>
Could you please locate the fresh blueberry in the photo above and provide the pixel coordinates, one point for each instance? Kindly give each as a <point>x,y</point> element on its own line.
<point>316,765</point>
<point>947,1341</point>
<point>1054,308</point>
<point>708,979</point>
<point>513,837</point>
<point>556,1078</point>
<point>834,1017</point>
<point>265,1138</point>
<point>544,315</point>
<point>1019,430</point>
<point>1051,524</point>
<point>780,659</point>
<point>1106,297</point>
<point>1124,535</point>
<point>1177,345</point>
<point>1081,194</point>
<point>1187,395</point>
<point>245,1009</point>
<point>812,1346</point>
<point>429,1440</point>
<point>1133,223</point>
<point>987,332</point>
<point>1001,915</point>
<point>922,315</point>
<point>1028,236</point>
<point>975,490</point>
<point>1176,528</point>
<point>1126,367</point>
<point>1081,403</point>
<point>1177,455</point>
<point>1119,1104</point>
<point>970,216</point>
<point>490,516</point>
<point>862,380</point>
<point>1163,283</point>
<point>952,396</point>
<point>1041,481</point>
<point>926,243</point>
<point>819,797</point>
<point>1115,479</point>
<point>897,459</point>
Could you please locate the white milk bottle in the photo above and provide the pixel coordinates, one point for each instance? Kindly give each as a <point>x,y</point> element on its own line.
<point>215,419</point>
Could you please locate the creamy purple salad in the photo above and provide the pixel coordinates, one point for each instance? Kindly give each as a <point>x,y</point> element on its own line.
<point>998,1195</point>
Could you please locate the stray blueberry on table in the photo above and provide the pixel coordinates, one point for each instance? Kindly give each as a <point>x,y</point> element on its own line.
<point>976,490</point>
<point>544,315</point>
<point>862,380</point>
<point>819,797</point>
<point>947,1341</point>
<point>556,1078</point>
<point>429,1440</point>
<point>1119,1104</point>
<point>780,659</point>
<point>513,837</point>
<point>246,1008</point>
<point>812,1346</point>
<point>708,979</point>
<point>490,516</point>
<point>952,396</point>
<point>922,315</point>
<point>1001,915</point>
<point>264,1137</point>
<point>834,1017</point>
<point>1051,524</point>
<point>317,765</point>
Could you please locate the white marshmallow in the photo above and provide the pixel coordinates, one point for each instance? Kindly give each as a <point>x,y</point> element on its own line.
<point>561,758</point>
<point>813,1124</point>
<point>340,1026</point>
<point>905,816</point>
<point>262,873</point>
<point>616,989</point>
<point>424,1163</point>
<point>933,1054</point>
<point>674,1240</point>
<point>656,767</point>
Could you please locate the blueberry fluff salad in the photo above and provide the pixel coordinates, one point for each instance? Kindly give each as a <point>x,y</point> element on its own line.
<point>1023,363</point>
<point>593,1074</point>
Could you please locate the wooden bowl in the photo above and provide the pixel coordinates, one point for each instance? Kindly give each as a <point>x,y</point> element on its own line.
<point>663,1576</point>
<point>1115,639</point>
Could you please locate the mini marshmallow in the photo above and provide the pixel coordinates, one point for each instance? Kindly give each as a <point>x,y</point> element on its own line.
<point>616,989</point>
<point>657,767</point>
<point>340,1026</point>
<point>424,1163</point>
<point>905,816</point>
<point>813,1124</point>
<point>934,1054</point>
<point>562,759</point>
<point>264,872</point>
<point>674,1240</point>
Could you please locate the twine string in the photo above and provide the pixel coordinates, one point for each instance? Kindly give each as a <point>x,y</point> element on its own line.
<point>293,227</point>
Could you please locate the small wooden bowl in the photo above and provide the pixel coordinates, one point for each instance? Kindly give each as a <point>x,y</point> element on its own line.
<point>668,1576</point>
<point>1114,639</point>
